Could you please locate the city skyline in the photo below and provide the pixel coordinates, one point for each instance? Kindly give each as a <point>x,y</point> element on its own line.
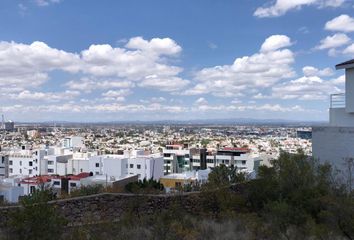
<point>163,60</point>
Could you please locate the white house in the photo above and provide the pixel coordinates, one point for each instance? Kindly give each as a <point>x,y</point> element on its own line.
<point>333,143</point>
<point>26,162</point>
<point>119,166</point>
<point>57,164</point>
<point>111,165</point>
<point>9,189</point>
<point>73,142</point>
<point>31,184</point>
<point>10,193</point>
<point>79,162</point>
<point>150,166</point>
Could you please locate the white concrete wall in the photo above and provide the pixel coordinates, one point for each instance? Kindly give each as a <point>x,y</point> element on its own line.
<point>333,145</point>
<point>339,117</point>
<point>59,164</point>
<point>76,166</point>
<point>349,90</point>
<point>115,167</point>
<point>77,142</point>
<point>21,166</point>
<point>110,165</point>
<point>155,168</point>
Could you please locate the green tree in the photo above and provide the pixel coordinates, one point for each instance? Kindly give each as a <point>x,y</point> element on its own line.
<point>145,186</point>
<point>222,176</point>
<point>36,218</point>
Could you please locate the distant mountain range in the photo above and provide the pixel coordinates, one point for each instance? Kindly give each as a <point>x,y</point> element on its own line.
<point>230,121</point>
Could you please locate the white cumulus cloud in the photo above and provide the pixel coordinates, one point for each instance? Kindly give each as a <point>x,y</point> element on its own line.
<point>24,66</point>
<point>334,41</point>
<point>310,71</point>
<point>342,23</point>
<point>247,73</point>
<point>280,7</point>
<point>349,50</point>
<point>275,42</point>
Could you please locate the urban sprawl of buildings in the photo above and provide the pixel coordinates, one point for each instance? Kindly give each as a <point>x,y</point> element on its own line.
<point>66,158</point>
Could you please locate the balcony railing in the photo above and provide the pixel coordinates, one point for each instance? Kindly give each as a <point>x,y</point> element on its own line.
<point>337,100</point>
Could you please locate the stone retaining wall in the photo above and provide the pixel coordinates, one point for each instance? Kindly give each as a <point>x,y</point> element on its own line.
<point>111,206</point>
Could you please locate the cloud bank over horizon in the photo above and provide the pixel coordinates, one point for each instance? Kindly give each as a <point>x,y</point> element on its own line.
<point>163,77</point>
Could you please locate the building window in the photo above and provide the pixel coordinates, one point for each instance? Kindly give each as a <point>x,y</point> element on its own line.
<point>97,165</point>
<point>32,189</point>
<point>50,170</point>
<point>138,166</point>
<point>20,170</point>
<point>50,162</point>
<point>243,162</point>
<point>97,173</point>
<point>72,184</point>
<point>20,163</point>
<point>10,169</point>
<point>81,170</point>
<point>167,155</point>
<point>56,183</point>
<point>30,164</point>
<point>10,162</point>
<point>131,165</point>
<point>30,171</point>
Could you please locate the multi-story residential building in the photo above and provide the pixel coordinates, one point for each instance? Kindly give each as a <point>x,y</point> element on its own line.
<point>176,158</point>
<point>202,159</point>
<point>79,163</point>
<point>57,164</point>
<point>111,165</point>
<point>333,143</point>
<point>242,158</point>
<point>119,166</point>
<point>26,162</point>
<point>150,166</point>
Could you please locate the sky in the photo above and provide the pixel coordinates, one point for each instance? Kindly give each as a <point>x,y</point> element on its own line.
<point>123,60</point>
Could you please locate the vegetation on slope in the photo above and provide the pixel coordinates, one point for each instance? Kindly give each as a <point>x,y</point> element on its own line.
<point>297,198</point>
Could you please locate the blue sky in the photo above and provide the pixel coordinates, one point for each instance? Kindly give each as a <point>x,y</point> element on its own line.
<point>161,59</point>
